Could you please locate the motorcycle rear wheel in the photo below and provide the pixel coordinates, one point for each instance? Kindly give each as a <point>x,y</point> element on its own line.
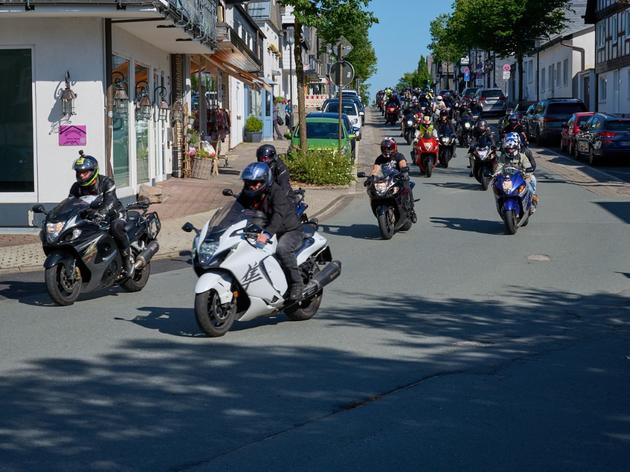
<point>306,309</point>
<point>429,167</point>
<point>386,223</point>
<point>213,318</point>
<point>139,279</point>
<point>61,290</point>
<point>406,226</point>
<point>511,226</point>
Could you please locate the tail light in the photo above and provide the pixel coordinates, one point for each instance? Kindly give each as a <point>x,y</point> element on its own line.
<point>607,134</point>
<point>482,100</point>
<point>550,120</point>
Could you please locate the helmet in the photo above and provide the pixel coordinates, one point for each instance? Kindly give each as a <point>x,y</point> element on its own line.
<point>426,120</point>
<point>389,147</point>
<point>257,178</point>
<point>86,170</point>
<point>267,154</point>
<point>482,125</point>
<point>511,143</point>
<point>513,119</point>
<point>414,100</point>
<point>443,115</point>
<point>439,98</point>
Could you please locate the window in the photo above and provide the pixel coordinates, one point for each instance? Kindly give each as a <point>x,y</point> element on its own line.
<point>565,78</point>
<point>542,79</point>
<point>16,121</point>
<point>530,71</point>
<point>558,66</point>
<point>628,84</point>
<point>603,85</point>
<point>628,24</point>
<point>613,29</point>
<point>120,123</point>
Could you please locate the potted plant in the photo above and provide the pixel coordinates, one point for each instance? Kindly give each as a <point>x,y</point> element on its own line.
<point>253,129</point>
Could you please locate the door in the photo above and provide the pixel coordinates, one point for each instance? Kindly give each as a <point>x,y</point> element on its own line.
<point>267,114</point>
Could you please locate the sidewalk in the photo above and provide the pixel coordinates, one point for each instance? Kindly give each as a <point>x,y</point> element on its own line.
<point>185,200</point>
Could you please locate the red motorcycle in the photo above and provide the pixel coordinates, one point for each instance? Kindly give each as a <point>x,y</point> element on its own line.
<point>426,154</point>
<point>391,114</point>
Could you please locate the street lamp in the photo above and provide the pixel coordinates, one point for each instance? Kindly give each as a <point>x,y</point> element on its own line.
<point>67,99</point>
<point>121,99</point>
<point>162,105</point>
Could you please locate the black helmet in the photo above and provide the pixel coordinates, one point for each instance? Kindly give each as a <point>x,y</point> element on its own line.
<point>86,169</point>
<point>388,147</point>
<point>267,154</point>
<point>513,119</point>
<point>443,114</point>
<point>482,125</point>
<point>256,179</point>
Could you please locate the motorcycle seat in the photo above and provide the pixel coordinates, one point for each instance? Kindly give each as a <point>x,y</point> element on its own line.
<point>132,219</point>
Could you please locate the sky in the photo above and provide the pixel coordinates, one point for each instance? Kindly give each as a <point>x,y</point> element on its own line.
<point>401,36</point>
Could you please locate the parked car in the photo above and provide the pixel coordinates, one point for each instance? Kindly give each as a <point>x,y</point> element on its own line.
<point>349,108</point>
<point>357,101</point>
<point>491,101</point>
<point>527,118</point>
<point>571,129</point>
<point>469,93</point>
<point>321,133</point>
<point>351,94</point>
<point>603,136</point>
<point>549,115</point>
<point>350,130</point>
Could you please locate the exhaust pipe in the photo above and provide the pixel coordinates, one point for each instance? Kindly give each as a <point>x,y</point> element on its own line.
<point>322,278</point>
<point>145,256</point>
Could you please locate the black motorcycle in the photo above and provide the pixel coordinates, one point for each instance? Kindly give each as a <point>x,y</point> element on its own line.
<point>389,204</point>
<point>484,164</point>
<point>447,148</point>
<point>409,126</point>
<point>464,131</point>
<point>82,256</point>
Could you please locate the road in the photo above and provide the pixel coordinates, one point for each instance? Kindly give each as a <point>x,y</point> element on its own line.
<point>451,347</point>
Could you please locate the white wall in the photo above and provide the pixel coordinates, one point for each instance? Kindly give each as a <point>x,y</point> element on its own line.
<point>617,92</point>
<point>60,45</point>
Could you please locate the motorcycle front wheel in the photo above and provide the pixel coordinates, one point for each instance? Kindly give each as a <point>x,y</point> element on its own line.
<point>387,223</point>
<point>485,182</point>
<point>213,318</point>
<point>61,289</point>
<point>511,226</point>
<point>429,167</point>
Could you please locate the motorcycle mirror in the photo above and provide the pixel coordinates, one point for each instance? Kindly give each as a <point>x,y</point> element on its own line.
<point>188,227</point>
<point>361,175</point>
<point>227,192</point>
<point>38,209</point>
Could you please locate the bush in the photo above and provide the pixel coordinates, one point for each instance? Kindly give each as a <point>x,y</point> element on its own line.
<point>320,167</point>
<point>253,124</point>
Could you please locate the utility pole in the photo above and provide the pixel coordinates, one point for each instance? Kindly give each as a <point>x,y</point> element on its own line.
<point>340,91</point>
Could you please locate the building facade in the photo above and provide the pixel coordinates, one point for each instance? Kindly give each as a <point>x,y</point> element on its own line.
<point>612,53</point>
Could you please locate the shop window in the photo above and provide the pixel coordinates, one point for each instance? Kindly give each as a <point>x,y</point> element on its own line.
<point>16,121</point>
<point>142,126</point>
<point>120,123</point>
<point>603,89</point>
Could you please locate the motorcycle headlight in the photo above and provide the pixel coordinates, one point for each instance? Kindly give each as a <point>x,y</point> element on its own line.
<point>53,230</point>
<point>380,187</point>
<point>207,251</point>
<point>409,122</point>
<point>467,125</point>
<point>428,146</point>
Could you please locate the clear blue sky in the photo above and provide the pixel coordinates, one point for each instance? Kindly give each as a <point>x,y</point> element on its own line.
<point>401,36</point>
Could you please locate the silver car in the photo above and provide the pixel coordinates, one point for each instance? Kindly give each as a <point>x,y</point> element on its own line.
<point>491,101</point>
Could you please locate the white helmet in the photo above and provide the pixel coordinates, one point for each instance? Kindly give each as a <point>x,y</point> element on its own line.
<point>439,98</point>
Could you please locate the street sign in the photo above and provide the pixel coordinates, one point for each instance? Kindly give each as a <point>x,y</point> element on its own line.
<point>506,74</point>
<point>507,67</point>
<point>465,70</point>
<point>466,76</point>
<point>464,61</point>
<point>346,46</point>
<point>342,73</point>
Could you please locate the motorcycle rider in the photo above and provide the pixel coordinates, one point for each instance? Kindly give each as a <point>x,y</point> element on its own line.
<point>267,154</point>
<point>390,156</point>
<point>444,125</point>
<point>426,129</point>
<point>90,182</point>
<point>482,137</point>
<point>513,155</point>
<point>260,192</point>
<point>514,125</point>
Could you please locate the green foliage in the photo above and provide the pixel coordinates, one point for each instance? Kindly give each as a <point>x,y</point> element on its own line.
<point>253,124</point>
<point>445,44</point>
<point>418,78</point>
<point>320,167</point>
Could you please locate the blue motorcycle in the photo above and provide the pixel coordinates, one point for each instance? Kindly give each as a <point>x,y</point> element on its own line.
<point>513,198</point>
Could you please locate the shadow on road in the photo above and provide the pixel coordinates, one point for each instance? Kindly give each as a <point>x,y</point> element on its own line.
<point>357,231</point>
<point>456,185</point>
<point>619,209</point>
<point>470,224</point>
<point>35,293</point>
<point>167,403</point>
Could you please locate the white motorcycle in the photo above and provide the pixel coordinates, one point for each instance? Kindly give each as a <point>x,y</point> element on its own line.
<point>238,280</point>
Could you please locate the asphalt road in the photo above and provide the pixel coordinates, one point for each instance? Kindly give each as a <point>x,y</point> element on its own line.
<point>451,347</point>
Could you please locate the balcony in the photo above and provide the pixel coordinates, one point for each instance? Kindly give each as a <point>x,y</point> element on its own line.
<point>177,26</point>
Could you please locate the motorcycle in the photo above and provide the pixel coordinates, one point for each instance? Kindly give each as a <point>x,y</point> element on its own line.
<point>485,159</point>
<point>513,198</point>
<point>464,132</point>
<point>239,280</point>
<point>409,124</point>
<point>447,148</point>
<point>425,154</point>
<point>391,114</point>
<point>388,202</point>
<point>82,256</point>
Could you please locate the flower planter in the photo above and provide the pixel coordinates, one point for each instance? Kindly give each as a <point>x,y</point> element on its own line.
<point>201,168</point>
<point>251,137</point>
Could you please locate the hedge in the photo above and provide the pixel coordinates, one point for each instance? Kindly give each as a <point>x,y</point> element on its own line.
<point>320,167</point>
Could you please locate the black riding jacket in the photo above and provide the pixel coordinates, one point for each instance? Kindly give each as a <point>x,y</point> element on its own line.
<point>103,187</point>
<point>276,203</point>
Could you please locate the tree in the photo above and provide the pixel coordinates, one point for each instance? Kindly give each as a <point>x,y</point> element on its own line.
<point>445,45</point>
<point>332,18</point>
<point>507,27</point>
<point>418,78</point>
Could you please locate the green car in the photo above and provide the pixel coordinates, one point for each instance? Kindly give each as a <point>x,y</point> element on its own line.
<point>321,133</point>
